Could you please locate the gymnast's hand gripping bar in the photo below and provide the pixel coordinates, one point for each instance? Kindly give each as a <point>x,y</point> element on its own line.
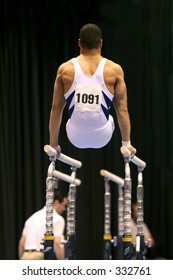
<point>68,160</point>
<point>126,153</point>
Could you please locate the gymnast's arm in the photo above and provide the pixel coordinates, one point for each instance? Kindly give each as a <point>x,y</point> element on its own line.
<point>58,105</point>
<point>121,107</point>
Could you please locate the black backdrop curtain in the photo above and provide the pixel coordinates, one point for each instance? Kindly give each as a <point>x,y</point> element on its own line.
<point>34,40</point>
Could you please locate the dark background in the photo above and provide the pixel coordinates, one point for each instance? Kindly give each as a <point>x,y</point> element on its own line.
<point>35,38</point>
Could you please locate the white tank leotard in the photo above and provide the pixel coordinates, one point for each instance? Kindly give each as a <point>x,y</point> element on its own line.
<point>88,101</point>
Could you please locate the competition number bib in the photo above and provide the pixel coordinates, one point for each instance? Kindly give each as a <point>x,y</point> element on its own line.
<point>87,98</point>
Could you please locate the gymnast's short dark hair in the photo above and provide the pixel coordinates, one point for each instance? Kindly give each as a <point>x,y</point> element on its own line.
<point>90,36</point>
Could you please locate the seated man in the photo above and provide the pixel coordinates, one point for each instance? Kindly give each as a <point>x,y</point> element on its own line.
<point>35,227</point>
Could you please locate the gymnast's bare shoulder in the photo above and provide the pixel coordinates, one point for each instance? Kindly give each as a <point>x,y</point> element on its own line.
<point>113,73</point>
<point>66,72</point>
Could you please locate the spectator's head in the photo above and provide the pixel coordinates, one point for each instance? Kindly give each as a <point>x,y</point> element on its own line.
<point>60,201</point>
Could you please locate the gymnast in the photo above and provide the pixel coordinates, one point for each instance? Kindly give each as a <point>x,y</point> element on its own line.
<point>87,85</point>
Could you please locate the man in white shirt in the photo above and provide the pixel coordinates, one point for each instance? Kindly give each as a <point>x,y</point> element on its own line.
<point>29,246</point>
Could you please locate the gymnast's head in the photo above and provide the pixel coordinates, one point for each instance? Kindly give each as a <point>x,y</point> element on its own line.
<point>90,37</point>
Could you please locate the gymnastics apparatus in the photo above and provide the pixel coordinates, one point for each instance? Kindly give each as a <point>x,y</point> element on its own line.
<point>52,175</point>
<point>107,237</point>
<point>123,242</point>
